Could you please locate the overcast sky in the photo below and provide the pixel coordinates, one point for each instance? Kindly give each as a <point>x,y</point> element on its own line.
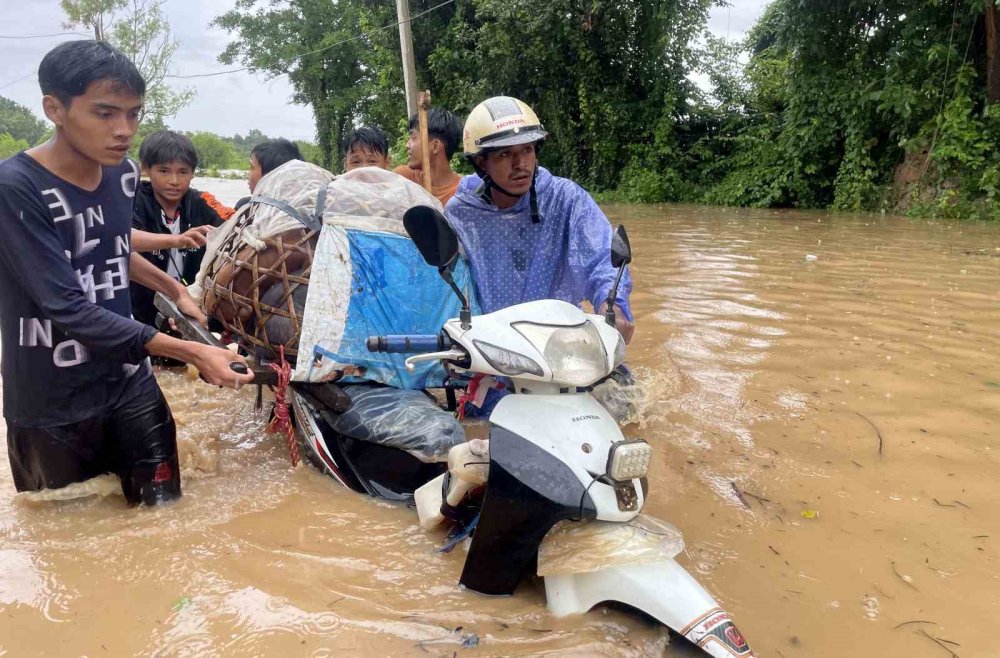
<point>225,104</point>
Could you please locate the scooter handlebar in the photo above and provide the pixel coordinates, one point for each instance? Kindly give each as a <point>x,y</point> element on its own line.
<point>407,344</point>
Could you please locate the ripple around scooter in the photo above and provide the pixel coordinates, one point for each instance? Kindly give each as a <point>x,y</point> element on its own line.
<point>31,582</point>
<point>255,623</point>
<point>644,399</point>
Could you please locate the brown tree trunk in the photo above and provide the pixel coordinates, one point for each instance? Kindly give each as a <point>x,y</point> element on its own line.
<point>992,53</point>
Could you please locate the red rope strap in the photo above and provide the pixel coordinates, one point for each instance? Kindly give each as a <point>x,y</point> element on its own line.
<point>468,396</point>
<point>282,422</point>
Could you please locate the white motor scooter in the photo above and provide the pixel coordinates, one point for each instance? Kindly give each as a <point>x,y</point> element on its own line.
<point>563,488</point>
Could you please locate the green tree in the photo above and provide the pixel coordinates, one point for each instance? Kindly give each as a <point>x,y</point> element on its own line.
<point>326,49</point>
<point>608,80</point>
<point>137,28</point>
<point>247,144</point>
<point>311,152</point>
<point>844,91</point>
<point>10,145</point>
<point>215,152</point>
<point>20,123</point>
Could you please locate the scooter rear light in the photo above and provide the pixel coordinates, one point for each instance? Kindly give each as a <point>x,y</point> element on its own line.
<point>629,460</point>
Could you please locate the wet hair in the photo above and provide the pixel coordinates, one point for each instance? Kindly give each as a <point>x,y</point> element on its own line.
<point>443,125</point>
<point>369,139</point>
<point>166,146</point>
<point>275,152</point>
<point>68,69</point>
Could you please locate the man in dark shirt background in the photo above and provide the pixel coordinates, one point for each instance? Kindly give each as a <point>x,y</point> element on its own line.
<point>79,395</point>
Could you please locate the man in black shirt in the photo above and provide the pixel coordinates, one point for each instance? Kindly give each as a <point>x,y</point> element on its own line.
<point>79,395</point>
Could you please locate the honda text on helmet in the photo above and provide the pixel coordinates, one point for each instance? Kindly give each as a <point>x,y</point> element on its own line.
<point>498,123</point>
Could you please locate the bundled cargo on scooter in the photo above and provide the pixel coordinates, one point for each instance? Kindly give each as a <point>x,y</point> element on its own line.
<point>315,264</point>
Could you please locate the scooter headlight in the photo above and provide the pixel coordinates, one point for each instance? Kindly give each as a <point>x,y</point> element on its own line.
<point>507,362</point>
<point>619,352</point>
<point>629,460</point>
<point>575,354</point>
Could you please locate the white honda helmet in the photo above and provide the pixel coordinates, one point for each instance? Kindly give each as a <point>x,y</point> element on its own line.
<point>500,122</point>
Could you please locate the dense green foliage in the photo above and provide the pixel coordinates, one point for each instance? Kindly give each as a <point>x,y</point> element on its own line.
<point>9,145</point>
<point>217,153</point>
<point>20,123</point>
<point>848,104</point>
<point>842,93</point>
<point>349,75</point>
<point>19,128</point>
<point>608,79</point>
<point>852,104</point>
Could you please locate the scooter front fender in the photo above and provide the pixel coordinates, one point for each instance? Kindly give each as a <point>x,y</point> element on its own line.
<point>663,590</point>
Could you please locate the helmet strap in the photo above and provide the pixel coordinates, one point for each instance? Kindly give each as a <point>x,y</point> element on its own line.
<point>533,199</point>
<point>485,190</point>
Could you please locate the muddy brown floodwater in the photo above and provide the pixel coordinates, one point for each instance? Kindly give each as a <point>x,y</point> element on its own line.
<point>822,393</point>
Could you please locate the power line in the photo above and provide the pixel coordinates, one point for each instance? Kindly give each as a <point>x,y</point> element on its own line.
<point>14,82</point>
<point>319,50</point>
<point>207,75</point>
<point>42,36</point>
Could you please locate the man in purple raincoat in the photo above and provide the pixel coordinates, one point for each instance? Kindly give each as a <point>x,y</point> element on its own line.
<point>528,234</point>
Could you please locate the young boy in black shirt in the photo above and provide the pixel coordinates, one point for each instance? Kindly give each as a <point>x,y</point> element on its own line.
<point>79,396</point>
<point>177,216</point>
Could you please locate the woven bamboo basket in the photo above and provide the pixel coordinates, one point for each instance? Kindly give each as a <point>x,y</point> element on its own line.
<point>259,294</point>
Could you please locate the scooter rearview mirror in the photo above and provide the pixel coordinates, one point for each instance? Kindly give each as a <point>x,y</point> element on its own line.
<point>438,244</point>
<point>435,239</point>
<point>621,251</point>
<point>621,255</point>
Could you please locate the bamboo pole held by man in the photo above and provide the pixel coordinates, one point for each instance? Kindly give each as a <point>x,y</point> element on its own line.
<point>424,104</point>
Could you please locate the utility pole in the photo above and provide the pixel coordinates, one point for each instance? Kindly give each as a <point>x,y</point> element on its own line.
<point>992,53</point>
<point>406,46</point>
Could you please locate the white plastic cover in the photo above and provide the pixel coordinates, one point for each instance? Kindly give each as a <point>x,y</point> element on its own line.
<point>295,183</point>
<point>586,546</point>
<point>407,420</point>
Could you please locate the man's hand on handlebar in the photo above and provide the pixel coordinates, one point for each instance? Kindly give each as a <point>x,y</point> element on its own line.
<point>221,367</point>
